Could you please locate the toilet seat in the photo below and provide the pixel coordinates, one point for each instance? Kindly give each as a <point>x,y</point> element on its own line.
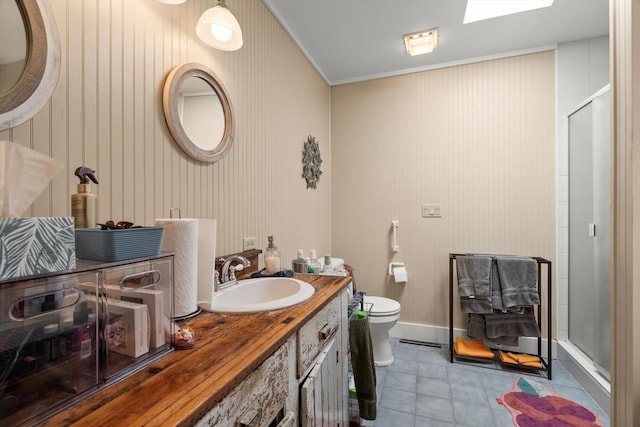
<point>382,307</point>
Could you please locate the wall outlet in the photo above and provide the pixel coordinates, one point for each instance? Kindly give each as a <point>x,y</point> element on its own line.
<point>249,243</point>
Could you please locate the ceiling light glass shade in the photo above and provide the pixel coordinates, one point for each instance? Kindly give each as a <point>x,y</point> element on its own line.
<point>477,10</point>
<point>218,28</point>
<point>421,42</point>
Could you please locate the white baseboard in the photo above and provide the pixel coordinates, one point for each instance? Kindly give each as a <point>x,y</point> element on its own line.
<point>440,335</point>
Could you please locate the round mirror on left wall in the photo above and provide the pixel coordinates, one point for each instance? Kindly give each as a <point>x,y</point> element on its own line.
<point>29,59</point>
<point>13,45</point>
<point>198,112</point>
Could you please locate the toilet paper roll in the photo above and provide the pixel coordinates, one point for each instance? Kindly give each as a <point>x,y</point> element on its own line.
<point>400,274</point>
<point>181,237</point>
<point>206,258</point>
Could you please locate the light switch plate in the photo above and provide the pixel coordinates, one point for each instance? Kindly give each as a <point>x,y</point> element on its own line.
<point>431,210</point>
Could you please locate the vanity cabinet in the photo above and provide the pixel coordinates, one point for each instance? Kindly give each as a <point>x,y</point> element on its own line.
<point>304,382</point>
<point>322,366</point>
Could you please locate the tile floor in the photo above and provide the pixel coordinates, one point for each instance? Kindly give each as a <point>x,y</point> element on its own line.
<point>422,389</point>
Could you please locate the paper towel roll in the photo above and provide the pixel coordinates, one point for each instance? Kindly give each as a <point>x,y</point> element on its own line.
<point>206,258</point>
<point>181,237</point>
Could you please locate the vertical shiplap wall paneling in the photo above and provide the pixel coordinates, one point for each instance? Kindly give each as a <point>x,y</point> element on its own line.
<point>177,158</point>
<point>88,26</point>
<point>106,113</point>
<point>42,143</point>
<point>74,103</point>
<point>116,63</point>
<point>60,204</point>
<point>104,130</point>
<point>477,138</point>
<point>166,50</point>
<point>135,144</point>
<point>150,110</point>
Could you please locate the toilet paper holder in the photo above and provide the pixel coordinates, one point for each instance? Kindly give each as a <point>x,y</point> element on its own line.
<point>394,264</point>
<point>398,271</point>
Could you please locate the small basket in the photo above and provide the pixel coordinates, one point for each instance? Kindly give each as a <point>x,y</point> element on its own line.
<point>118,245</point>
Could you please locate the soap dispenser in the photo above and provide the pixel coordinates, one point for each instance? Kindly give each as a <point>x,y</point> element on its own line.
<point>84,204</point>
<point>271,257</point>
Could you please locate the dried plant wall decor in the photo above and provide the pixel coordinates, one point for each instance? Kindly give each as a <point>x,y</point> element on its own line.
<point>311,162</point>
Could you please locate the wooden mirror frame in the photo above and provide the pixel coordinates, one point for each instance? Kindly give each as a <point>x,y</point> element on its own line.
<point>42,67</point>
<point>170,105</point>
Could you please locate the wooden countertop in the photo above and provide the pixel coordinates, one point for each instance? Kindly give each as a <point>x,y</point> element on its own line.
<point>181,387</point>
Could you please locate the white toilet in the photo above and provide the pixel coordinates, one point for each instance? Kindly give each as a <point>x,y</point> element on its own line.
<point>383,316</point>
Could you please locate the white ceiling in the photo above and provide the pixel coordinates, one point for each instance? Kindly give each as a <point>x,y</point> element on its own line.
<point>354,40</point>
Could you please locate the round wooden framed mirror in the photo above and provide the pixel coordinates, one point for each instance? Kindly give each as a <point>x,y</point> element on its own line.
<point>27,81</point>
<point>198,112</point>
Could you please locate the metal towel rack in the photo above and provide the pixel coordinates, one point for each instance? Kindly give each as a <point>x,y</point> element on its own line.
<point>546,364</point>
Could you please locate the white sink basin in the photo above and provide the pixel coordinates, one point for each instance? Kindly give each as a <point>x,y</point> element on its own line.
<point>263,294</point>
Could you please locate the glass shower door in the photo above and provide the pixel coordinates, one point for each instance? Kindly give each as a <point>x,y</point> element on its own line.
<point>589,218</point>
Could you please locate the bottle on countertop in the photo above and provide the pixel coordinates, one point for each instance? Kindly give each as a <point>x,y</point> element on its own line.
<point>271,257</point>
<point>84,204</point>
<point>299,265</point>
<point>314,264</point>
<point>326,267</point>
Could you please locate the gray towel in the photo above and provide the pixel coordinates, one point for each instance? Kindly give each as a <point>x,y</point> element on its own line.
<point>478,330</point>
<point>511,324</point>
<point>362,363</point>
<point>518,281</point>
<point>474,283</point>
<point>496,290</point>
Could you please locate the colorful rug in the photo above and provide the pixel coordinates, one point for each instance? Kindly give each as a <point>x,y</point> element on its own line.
<point>533,404</point>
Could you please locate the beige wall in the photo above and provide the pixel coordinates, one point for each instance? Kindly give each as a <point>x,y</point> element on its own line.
<point>106,113</point>
<point>478,139</point>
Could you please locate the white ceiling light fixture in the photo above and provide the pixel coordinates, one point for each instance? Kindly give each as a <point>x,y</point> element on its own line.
<point>421,42</point>
<point>478,10</point>
<point>218,28</point>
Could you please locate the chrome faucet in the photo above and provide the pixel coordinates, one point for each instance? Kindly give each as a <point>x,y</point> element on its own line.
<point>229,279</point>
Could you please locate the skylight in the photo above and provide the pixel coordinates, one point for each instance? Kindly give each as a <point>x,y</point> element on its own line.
<point>477,10</point>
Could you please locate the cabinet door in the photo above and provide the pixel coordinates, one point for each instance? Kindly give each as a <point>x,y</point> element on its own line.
<point>321,392</point>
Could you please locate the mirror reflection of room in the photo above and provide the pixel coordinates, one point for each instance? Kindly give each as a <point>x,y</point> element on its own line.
<point>200,113</point>
<point>13,45</point>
